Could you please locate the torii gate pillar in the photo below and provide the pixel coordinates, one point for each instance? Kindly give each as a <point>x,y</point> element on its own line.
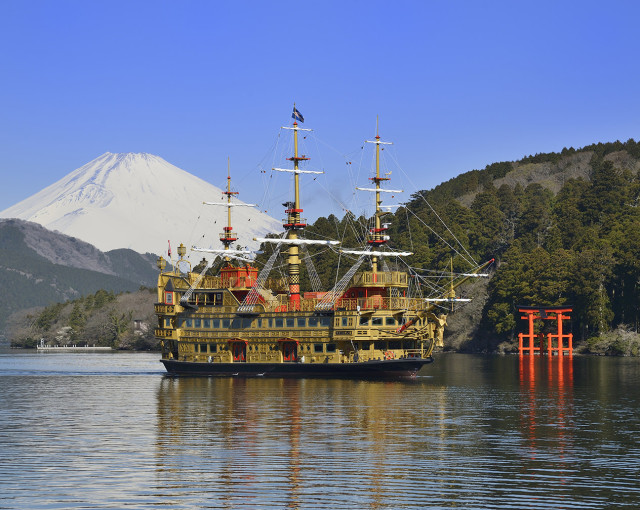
<point>547,313</point>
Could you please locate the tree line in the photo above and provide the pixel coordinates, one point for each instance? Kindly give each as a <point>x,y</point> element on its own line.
<point>121,321</point>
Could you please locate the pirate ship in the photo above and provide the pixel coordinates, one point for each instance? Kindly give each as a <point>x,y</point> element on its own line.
<point>240,322</point>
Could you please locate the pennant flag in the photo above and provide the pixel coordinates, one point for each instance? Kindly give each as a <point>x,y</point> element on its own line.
<point>296,115</point>
<point>169,251</point>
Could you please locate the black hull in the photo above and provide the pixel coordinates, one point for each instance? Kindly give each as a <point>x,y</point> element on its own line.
<point>385,369</point>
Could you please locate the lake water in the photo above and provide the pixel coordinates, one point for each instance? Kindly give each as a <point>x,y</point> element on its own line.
<point>112,431</point>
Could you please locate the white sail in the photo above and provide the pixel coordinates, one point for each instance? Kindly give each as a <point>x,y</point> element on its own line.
<point>294,241</point>
<point>378,253</point>
<point>298,171</point>
<point>225,204</point>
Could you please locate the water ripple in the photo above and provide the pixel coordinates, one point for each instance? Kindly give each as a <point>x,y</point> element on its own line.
<point>109,431</point>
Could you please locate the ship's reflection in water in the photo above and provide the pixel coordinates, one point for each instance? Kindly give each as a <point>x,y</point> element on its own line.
<point>286,442</point>
<point>480,432</point>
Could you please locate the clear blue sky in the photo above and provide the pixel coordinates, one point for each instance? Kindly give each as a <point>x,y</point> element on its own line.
<point>457,85</point>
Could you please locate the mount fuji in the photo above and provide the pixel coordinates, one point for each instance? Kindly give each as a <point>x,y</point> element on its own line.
<point>138,201</point>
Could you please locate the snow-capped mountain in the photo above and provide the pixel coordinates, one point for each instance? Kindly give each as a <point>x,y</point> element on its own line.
<point>138,201</point>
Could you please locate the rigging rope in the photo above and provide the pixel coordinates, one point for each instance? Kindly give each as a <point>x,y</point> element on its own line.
<point>471,262</point>
<point>251,299</point>
<point>316,284</point>
<point>187,295</point>
<point>419,193</point>
<point>330,298</point>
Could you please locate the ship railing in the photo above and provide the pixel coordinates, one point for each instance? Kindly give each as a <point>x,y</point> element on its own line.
<point>304,305</point>
<point>164,309</point>
<point>380,278</point>
<point>416,353</point>
<point>217,282</point>
<point>380,303</point>
<point>390,354</point>
<point>163,333</point>
<point>349,304</point>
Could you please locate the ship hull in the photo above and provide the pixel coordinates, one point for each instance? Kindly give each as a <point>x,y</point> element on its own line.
<point>383,369</point>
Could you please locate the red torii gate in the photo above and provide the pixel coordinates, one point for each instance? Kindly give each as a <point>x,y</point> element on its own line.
<point>532,313</point>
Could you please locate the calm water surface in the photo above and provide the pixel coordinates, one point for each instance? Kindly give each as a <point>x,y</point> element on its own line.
<point>112,431</point>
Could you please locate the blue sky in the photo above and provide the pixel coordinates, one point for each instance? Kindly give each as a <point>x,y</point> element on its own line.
<point>457,85</point>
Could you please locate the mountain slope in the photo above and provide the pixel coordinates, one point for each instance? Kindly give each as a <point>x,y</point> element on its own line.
<point>136,201</point>
<point>39,267</point>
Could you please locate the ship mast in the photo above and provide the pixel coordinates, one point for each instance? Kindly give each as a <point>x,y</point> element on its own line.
<point>294,222</point>
<point>376,234</point>
<point>228,237</point>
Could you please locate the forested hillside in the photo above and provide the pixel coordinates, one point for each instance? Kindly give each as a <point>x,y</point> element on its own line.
<point>564,228</point>
<point>571,237</point>
<point>39,267</point>
<point>121,321</point>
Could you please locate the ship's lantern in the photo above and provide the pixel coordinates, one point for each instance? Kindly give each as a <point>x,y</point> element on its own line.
<point>161,263</point>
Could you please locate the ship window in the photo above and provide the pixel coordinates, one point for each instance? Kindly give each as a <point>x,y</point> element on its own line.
<point>361,293</point>
<point>214,298</point>
<point>213,347</point>
<point>167,322</point>
<point>290,322</point>
<point>325,321</point>
<point>317,347</point>
<point>301,322</point>
<point>409,344</point>
<point>279,322</point>
<point>236,323</point>
<point>331,347</point>
<point>390,321</point>
<point>258,323</point>
<point>216,323</point>
<point>226,323</point>
<point>168,298</point>
<point>364,321</point>
<point>246,323</point>
<point>189,323</point>
<point>313,322</point>
<point>380,345</point>
<point>376,321</point>
<point>345,321</point>
<point>206,323</point>
<point>197,323</point>
<point>365,346</point>
<point>203,348</point>
<point>394,344</point>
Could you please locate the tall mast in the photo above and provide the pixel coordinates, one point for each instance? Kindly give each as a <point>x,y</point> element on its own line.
<point>228,237</point>
<point>376,234</point>
<point>294,223</point>
<point>294,220</point>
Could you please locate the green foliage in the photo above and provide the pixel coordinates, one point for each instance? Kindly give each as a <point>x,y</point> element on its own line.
<point>579,247</point>
<point>103,318</point>
<point>48,316</point>
<point>620,342</point>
